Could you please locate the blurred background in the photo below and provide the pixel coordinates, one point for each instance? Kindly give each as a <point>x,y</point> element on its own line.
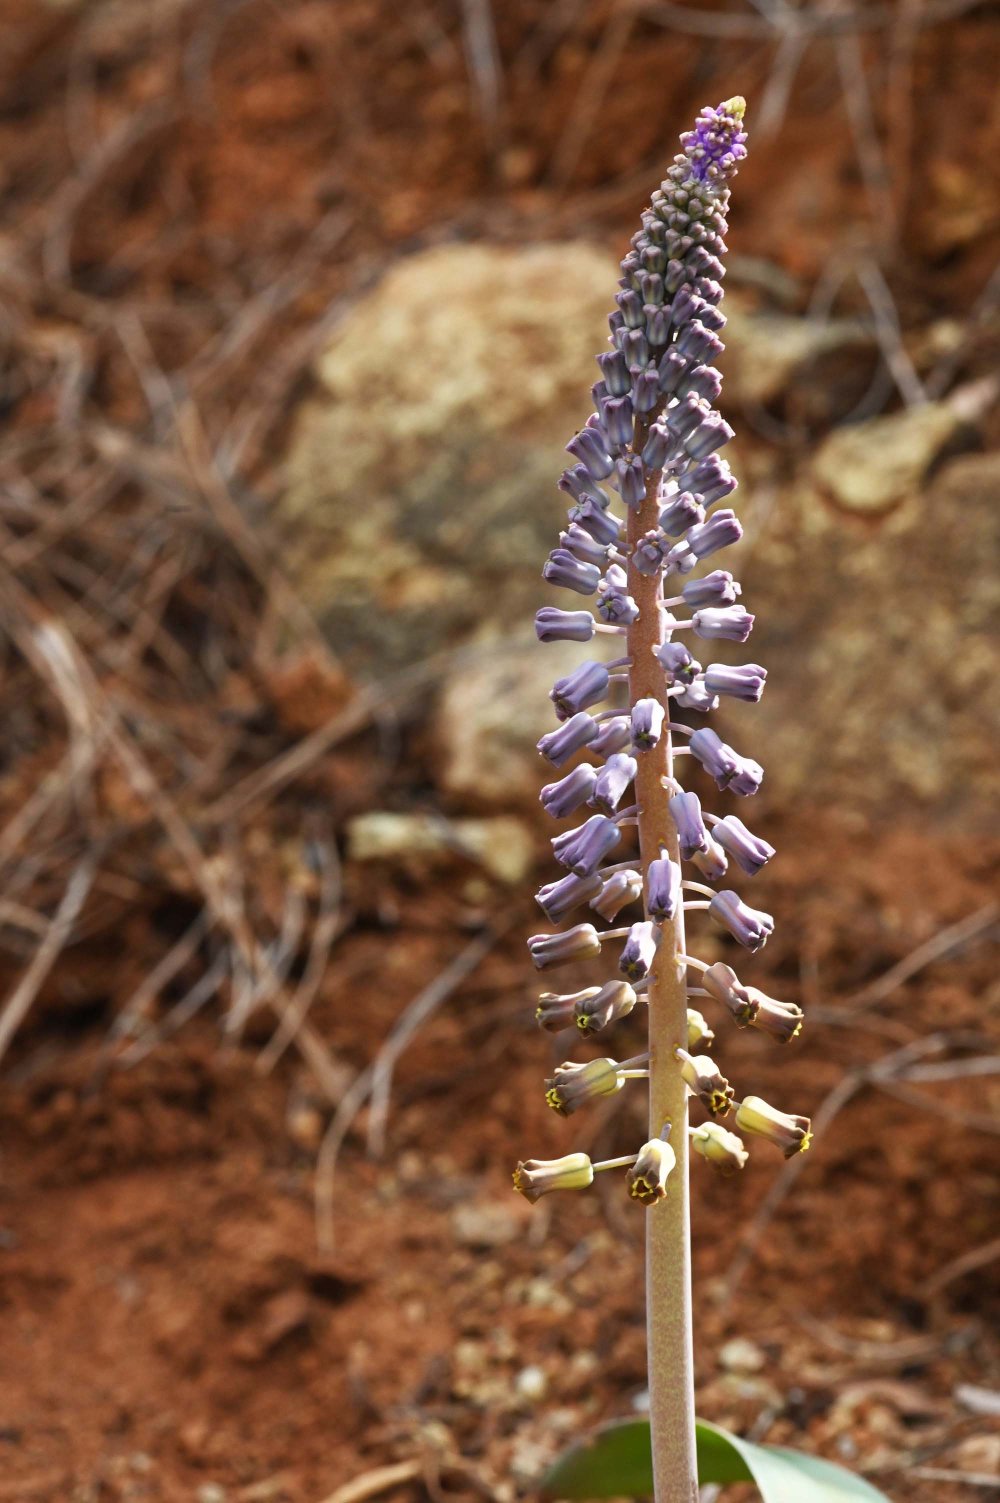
<point>300,301</point>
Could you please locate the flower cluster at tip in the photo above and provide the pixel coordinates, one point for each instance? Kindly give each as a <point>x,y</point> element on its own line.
<point>655,431</point>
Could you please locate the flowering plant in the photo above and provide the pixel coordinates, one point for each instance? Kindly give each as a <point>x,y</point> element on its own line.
<point>654,439</point>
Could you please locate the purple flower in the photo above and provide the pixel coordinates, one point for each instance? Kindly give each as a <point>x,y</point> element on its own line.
<point>744,681</point>
<point>663,888</point>
<point>658,446</point>
<point>630,304</point>
<point>683,418</point>
<point>556,899</point>
<point>646,386</point>
<point>672,368</point>
<point>717,588</point>
<point>559,745</point>
<point>677,663</point>
<point>710,478</point>
<point>680,513</point>
<point>722,982</point>
<point>554,1012</point>
<point>748,850</point>
<point>750,926</point>
<point>587,684</point>
<point>615,372</point>
<point>718,759</point>
<point>583,546</point>
<point>696,696</point>
<point>640,950</point>
<point>711,863</point>
<point>599,1006</point>
<point>701,381</point>
<point>620,889</point>
<point>590,448</point>
<point>711,433</point>
<point>747,778</point>
<point>719,531</point>
<point>611,782</point>
<point>699,344</point>
<point>685,811</point>
<point>647,724</point>
<point>593,518</point>
<point>582,942</point>
<point>730,623</point>
<point>552,625</point>
<point>579,483</point>
<point>565,569</point>
<point>614,735</point>
<point>650,551</point>
<point>615,606</point>
<point>630,478</point>
<point>680,559</point>
<point>582,850</point>
<point>616,417</point>
<point>717,144</point>
<point>634,346</point>
<point>560,799</point>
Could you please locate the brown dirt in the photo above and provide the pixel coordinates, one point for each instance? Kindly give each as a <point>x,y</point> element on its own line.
<point>169,1330</point>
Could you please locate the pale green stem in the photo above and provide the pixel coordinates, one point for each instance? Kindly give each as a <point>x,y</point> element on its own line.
<point>668,1237</point>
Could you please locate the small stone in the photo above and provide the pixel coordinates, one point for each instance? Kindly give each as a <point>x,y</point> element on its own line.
<point>211,1492</point>
<point>871,466</point>
<point>502,846</point>
<point>486,1223</point>
<point>531,1384</point>
<point>741,1356</point>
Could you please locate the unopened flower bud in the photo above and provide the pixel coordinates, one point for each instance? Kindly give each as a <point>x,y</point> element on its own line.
<point>630,478</point>
<point>615,372</point>
<point>672,367</point>
<point>614,736</point>
<point>658,445</point>
<point>726,987</point>
<point>663,888</point>
<point>647,724</point>
<point>600,1006</point>
<point>705,1080</point>
<point>602,525</point>
<point>680,513</point>
<point>722,1148</point>
<point>571,573</point>
<point>747,778</point>
<point>585,686</point>
<point>779,1020</point>
<point>747,849</point>
<point>711,863</point>
<point>556,899</point>
<point>743,681</point>
<point>578,483</point>
<point>573,1085</point>
<point>536,1177</point>
<point>695,696</point>
<point>609,786</point>
<point>717,588</point>
<point>685,811</point>
<point>699,1035</point>
<point>559,745</point>
<point>639,950</point>
<point>750,926</point>
<point>561,798</point>
<point>591,450</point>
<point>552,625</point>
<point>620,889</point>
<point>616,415</point>
<point>646,385</point>
<point>718,759</point>
<point>578,541</point>
<point>647,1177</point>
<point>677,663</point>
<point>789,1133</point>
<point>701,381</point>
<point>697,343</point>
<point>555,1013</point>
<point>582,850</point>
<point>720,531</point>
<point>730,623</point>
<point>711,479</point>
<point>710,434</point>
<point>582,942</point>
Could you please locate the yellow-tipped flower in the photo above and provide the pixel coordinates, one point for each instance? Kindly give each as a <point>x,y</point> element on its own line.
<point>722,1148</point>
<point>536,1177</point>
<point>789,1133</point>
<point>572,1085</point>
<point>647,1178</point>
<point>703,1076</point>
<point>698,1030</point>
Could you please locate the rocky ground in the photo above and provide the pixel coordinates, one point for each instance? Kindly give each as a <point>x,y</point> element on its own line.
<point>299,308</point>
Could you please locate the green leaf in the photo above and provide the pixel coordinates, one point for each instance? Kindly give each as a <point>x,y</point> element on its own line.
<point>615,1462</point>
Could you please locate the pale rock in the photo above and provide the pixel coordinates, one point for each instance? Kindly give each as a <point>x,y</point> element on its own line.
<point>870,467</point>
<point>768,354</point>
<point>502,846</point>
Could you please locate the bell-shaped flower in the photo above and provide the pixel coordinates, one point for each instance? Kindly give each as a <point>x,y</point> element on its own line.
<point>749,926</point>
<point>582,942</point>
<point>722,1148</point>
<point>534,1178</point>
<point>574,1085</point>
<point>789,1133</point>
<point>647,1177</point>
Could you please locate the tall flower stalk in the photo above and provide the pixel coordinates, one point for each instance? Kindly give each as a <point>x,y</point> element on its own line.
<point>654,439</point>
